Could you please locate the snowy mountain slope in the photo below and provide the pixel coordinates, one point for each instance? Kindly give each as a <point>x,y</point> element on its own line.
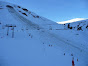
<point>72,20</point>
<point>38,41</point>
<point>16,11</point>
<point>79,25</point>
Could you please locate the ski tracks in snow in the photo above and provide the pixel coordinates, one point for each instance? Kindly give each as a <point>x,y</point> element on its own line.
<point>49,38</point>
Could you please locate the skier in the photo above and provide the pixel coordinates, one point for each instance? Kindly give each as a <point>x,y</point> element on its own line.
<point>73,62</point>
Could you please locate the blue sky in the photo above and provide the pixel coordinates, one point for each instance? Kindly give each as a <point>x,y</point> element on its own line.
<point>56,10</point>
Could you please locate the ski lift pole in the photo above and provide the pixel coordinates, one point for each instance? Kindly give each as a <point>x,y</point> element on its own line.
<point>7,31</point>
<point>13,32</point>
<point>10,25</point>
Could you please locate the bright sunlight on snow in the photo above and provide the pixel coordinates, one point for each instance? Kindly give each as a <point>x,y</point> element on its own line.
<point>72,20</point>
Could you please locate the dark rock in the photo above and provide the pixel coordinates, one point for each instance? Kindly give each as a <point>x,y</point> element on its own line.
<point>79,28</point>
<point>19,11</point>
<point>70,27</point>
<point>19,7</point>
<point>37,16</point>
<point>9,6</point>
<point>87,26</point>
<point>25,9</point>
<point>24,14</point>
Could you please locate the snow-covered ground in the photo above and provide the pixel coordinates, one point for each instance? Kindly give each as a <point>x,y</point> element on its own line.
<point>38,41</point>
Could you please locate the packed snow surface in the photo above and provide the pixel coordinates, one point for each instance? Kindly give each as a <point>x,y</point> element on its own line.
<point>38,41</point>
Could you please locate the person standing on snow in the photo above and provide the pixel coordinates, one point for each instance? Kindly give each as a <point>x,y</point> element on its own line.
<point>73,64</point>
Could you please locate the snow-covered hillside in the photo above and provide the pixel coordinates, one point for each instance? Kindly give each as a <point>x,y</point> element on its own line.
<point>76,24</point>
<point>27,39</point>
<point>72,20</point>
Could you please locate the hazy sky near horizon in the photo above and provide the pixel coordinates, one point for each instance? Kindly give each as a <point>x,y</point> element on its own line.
<point>56,10</point>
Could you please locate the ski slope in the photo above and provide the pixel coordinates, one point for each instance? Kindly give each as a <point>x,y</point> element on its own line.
<point>39,41</point>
